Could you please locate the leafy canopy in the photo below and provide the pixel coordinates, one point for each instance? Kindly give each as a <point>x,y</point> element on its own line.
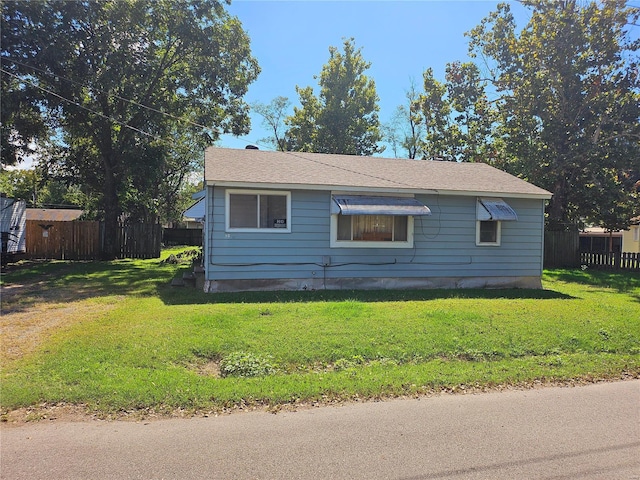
<point>134,90</point>
<point>344,117</point>
<point>569,104</point>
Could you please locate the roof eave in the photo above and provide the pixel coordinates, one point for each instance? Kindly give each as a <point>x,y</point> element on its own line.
<point>543,195</point>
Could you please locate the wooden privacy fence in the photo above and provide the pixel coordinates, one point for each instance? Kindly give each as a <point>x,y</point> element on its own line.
<point>78,240</point>
<point>182,236</point>
<point>615,260</point>
<point>561,248</point>
<point>139,240</point>
<point>63,240</point>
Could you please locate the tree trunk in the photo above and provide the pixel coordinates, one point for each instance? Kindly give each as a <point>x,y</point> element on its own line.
<point>557,205</point>
<point>111,210</point>
<point>111,213</point>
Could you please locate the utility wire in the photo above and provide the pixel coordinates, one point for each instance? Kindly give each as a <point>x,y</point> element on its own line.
<point>128,100</point>
<point>295,154</point>
<point>83,107</point>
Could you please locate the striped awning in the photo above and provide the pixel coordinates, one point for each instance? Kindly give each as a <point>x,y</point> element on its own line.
<point>372,205</point>
<point>495,209</point>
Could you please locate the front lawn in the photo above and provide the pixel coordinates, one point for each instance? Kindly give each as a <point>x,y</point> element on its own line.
<point>131,342</point>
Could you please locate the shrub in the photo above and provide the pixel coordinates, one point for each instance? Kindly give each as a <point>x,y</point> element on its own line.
<point>244,364</point>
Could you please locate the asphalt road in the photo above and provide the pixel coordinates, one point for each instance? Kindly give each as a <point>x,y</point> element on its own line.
<point>589,432</point>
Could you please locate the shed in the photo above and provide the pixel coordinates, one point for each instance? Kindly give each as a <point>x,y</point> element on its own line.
<point>12,225</point>
<point>292,220</point>
<point>54,214</point>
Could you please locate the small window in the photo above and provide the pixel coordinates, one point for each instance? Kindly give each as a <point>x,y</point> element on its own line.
<point>488,232</point>
<point>372,230</point>
<point>250,211</point>
<point>636,234</point>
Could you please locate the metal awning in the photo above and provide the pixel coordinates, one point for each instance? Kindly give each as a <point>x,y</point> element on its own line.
<point>494,209</point>
<point>370,205</point>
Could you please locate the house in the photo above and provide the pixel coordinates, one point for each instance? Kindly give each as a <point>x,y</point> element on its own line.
<point>193,217</point>
<point>12,225</point>
<point>631,237</point>
<point>601,240</point>
<point>291,220</point>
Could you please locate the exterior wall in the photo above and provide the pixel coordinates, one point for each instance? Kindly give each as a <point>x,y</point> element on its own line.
<point>631,239</point>
<point>13,219</point>
<point>444,253</point>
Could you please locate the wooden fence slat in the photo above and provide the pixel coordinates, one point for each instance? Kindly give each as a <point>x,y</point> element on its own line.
<point>561,248</point>
<point>82,240</point>
<point>614,261</point>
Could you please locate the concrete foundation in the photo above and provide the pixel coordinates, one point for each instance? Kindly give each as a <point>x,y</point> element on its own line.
<point>264,285</point>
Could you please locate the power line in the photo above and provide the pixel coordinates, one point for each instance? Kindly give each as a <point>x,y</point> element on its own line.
<point>295,154</point>
<point>128,100</point>
<point>82,106</point>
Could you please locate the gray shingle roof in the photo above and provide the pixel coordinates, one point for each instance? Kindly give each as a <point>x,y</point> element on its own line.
<point>257,168</point>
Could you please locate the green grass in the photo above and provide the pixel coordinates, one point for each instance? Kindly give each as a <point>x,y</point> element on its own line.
<point>148,349</point>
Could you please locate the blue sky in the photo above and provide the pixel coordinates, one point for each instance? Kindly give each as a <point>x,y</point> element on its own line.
<point>401,39</point>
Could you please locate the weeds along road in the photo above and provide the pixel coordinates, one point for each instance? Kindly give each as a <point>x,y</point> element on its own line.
<point>588,432</point>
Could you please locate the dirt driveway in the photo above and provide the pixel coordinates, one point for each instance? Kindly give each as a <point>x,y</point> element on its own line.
<point>31,312</point>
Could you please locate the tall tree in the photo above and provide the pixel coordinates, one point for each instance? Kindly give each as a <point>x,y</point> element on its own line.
<point>344,117</point>
<point>436,110</point>
<point>121,77</point>
<point>473,117</point>
<point>273,116</point>
<point>569,104</point>
<point>406,127</point>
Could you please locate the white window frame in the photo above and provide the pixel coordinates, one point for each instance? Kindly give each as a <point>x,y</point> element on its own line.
<point>636,233</point>
<point>335,243</point>
<point>227,213</point>
<point>498,234</point>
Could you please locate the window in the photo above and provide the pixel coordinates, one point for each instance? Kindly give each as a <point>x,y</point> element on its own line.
<point>372,231</point>
<point>372,228</point>
<point>636,234</point>
<point>490,213</point>
<point>258,210</point>
<point>488,232</point>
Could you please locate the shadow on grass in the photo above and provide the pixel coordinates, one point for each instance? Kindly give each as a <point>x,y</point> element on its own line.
<point>187,296</point>
<point>620,281</point>
<point>51,281</point>
<point>61,281</point>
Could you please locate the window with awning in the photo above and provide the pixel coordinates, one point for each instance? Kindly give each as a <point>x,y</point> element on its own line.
<point>374,221</point>
<point>490,212</point>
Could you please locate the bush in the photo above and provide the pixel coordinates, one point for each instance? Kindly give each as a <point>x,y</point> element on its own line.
<point>244,364</point>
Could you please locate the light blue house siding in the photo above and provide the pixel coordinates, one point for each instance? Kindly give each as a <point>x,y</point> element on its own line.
<point>444,252</point>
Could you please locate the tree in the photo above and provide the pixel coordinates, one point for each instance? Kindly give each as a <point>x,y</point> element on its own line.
<point>344,117</point>
<point>22,123</point>
<point>273,116</point>
<point>406,129</point>
<point>470,133</point>
<point>39,189</point>
<point>436,110</point>
<point>569,106</point>
<point>125,81</point>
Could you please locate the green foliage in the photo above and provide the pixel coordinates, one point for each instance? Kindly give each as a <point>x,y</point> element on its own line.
<point>457,116</point>
<point>96,66</point>
<point>273,116</point>
<point>245,364</point>
<point>344,117</point>
<point>406,128</point>
<point>569,104</point>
